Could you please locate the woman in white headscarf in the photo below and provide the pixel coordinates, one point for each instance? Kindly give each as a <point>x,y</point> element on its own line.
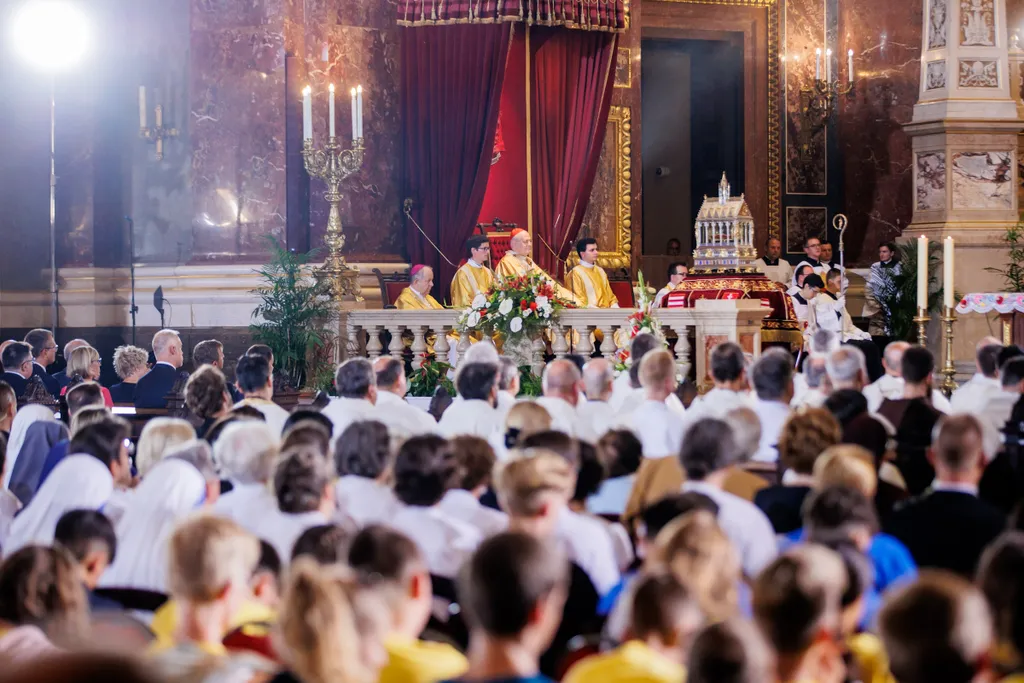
<point>25,418</point>
<point>171,490</point>
<point>80,481</point>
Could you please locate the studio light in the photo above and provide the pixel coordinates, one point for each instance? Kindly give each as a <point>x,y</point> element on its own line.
<point>52,35</point>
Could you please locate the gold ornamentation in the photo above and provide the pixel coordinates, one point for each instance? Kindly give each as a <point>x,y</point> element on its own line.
<point>333,165</point>
<point>948,384</point>
<point>158,133</point>
<point>623,68</point>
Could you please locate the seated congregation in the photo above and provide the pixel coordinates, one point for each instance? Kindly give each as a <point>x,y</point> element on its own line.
<point>828,523</point>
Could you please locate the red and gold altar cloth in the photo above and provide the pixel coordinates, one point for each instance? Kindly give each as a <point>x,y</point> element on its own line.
<point>781,326</point>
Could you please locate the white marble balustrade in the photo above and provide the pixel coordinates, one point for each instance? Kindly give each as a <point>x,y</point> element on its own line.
<point>711,322</point>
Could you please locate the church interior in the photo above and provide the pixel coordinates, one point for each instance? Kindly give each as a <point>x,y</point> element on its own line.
<point>179,131</point>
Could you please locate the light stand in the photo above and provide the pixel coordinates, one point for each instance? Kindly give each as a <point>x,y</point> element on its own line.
<point>134,309</point>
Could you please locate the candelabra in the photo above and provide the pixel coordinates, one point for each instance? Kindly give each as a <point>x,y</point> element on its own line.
<point>333,165</point>
<point>819,100</point>
<point>158,133</point>
<point>948,385</point>
<point>921,320</point>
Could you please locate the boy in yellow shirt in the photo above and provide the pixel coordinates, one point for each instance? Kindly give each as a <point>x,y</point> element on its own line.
<point>393,564</point>
<point>664,619</point>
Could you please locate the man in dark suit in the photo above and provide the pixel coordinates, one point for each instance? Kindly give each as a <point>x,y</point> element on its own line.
<point>44,353</point>
<point>948,526</point>
<point>152,389</point>
<point>62,377</point>
<point>17,361</point>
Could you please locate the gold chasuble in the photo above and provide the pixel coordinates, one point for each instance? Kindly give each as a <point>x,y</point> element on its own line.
<point>590,285</point>
<point>411,300</point>
<point>514,265</point>
<point>471,279</point>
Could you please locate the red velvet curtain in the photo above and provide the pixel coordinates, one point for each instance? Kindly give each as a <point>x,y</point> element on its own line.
<point>572,82</point>
<point>451,90</point>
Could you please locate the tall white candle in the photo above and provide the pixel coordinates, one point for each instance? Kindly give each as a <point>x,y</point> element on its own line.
<point>828,64</point>
<point>355,116</point>
<point>359,108</point>
<point>922,272</point>
<point>330,112</point>
<point>142,106</point>
<point>849,64</point>
<point>817,64</point>
<point>947,272</point>
<point>307,113</point>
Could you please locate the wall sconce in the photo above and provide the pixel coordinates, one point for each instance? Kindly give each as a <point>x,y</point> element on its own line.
<point>158,133</point>
<point>819,100</point>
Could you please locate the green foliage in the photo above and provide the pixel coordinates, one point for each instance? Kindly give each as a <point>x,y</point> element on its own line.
<point>434,373</point>
<point>294,310</point>
<point>896,290</point>
<point>529,383</point>
<point>1013,273</point>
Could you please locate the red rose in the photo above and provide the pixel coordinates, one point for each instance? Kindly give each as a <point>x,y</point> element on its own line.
<point>999,299</point>
<point>533,305</point>
<point>523,305</point>
<point>963,302</point>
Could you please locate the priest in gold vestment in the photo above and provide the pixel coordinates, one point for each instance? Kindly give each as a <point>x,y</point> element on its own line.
<point>588,281</point>
<point>416,297</point>
<point>517,262</point>
<point>474,277</point>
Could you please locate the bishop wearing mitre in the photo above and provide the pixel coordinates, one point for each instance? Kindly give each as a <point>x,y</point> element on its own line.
<point>474,277</point>
<point>416,297</point>
<point>588,281</point>
<point>517,262</point>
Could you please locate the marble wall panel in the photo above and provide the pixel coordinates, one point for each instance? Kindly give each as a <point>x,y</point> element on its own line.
<point>806,161</point>
<point>982,180</point>
<point>935,74</point>
<point>931,181</point>
<point>803,222</point>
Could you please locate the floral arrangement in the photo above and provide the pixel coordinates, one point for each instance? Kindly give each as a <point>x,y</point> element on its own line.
<point>642,320</point>
<point>515,307</point>
<point>433,373</point>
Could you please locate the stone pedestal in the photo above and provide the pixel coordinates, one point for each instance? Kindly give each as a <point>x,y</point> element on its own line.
<point>965,133</point>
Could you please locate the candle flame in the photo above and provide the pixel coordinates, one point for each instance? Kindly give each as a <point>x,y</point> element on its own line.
<point>359,88</point>
<point>331,87</point>
<point>353,92</point>
<point>849,52</point>
<point>828,52</point>
<point>817,51</point>
<point>307,90</point>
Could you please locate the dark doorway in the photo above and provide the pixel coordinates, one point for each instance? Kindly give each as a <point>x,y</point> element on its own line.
<point>692,130</point>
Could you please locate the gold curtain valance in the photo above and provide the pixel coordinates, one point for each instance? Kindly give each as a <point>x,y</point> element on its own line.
<point>586,15</point>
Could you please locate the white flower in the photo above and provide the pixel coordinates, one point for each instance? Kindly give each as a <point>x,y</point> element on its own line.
<point>542,301</point>
<point>473,320</point>
<point>480,301</point>
<point>516,325</point>
<point>506,307</point>
<point>526,313</point>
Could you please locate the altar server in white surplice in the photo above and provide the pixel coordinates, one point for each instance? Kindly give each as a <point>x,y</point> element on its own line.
<point>562,384</point>
<point>588,281</point>
<point>305,498</point>
<point>401,419</point>
<point>356,383</point>
<point>475,412</point>
<point>364,461</point>
<point>677,273</point>
<point>973,394</point>
<point>774,267</point>
<point>424,468</point>
<point>596,412</point>
<point>247,451</point>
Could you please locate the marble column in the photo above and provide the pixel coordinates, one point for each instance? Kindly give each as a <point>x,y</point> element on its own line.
<point>965,144</point>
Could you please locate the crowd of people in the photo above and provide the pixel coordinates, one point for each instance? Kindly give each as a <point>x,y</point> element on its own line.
<point>828,522</point>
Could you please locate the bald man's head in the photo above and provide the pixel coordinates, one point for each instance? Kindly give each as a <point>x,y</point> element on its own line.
<point>562,379</point>
<point>892,359</point>
<point>598,376</point>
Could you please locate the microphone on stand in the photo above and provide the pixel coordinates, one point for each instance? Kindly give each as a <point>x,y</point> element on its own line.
<point>158,303</point>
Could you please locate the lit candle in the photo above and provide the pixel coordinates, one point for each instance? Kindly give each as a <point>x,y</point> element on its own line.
<point>828,64</point>
<point>142,106</point>
<point>922,273</point>
<point>307,113</point>
<point>849,63</point>
<point>330,113</point>
<point>947,272</point>
<point>359,108</point>
<point>817,64</point>
<point>355,117</point>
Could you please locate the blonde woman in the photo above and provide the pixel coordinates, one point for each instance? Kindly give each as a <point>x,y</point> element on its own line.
<point>160,435</point>
<point>524,419</point>
<point>130,363</point>
<point>84,366</point>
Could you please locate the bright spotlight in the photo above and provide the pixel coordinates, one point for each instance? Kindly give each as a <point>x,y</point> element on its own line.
<point>51,34</point>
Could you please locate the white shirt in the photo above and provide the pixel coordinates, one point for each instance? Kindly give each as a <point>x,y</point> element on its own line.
<point>473,418</point>
<point>772,415</point>
<point>612,497</point>
<point>446,542</point>
<point>972,396</point>
<point>597,417</point>
<point>891,387</point>
<point>465,507</point>
<point>781,273</point>
<point>589,544</point>
<point>282,529</point>
<point>345,411</point>
<point>954,487</point>
<point>996,412</point>
<point>274,415</point>
<point>659,428</point>
<point>247,505</point>
<point>564,418</point>
<point>365,501</point>
<point>659,298</point>
<point>402,419</point>
<point>812,398</point>
<point>718,403</point>
<point>746,526</point>
<point>9,506</point>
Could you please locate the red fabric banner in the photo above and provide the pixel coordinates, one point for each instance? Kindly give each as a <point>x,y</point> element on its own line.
<point>587,15</point>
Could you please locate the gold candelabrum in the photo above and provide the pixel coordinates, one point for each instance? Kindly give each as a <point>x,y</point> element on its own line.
<point>948,385</point>
<point>817,107</point>
<point>158,133</point>
<point>333,165</point>
<point>922,320</point>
